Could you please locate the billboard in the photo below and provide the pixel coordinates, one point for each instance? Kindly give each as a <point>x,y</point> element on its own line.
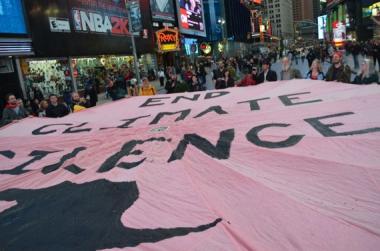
<point>135,14</point>
<point>100,18</point>
<point>12,17</point>
<point>322,21</point>
<point>162,10</point>
<point>339,33</point>
<point>91,27</point>
<point>191,17</point>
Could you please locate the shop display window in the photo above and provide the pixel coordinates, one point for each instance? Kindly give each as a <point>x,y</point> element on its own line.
<point>50,76</point>
<point>98,68</point>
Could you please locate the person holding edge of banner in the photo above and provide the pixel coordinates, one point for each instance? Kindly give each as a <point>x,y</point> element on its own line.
<point>13,111</point>
<point>147,89</point>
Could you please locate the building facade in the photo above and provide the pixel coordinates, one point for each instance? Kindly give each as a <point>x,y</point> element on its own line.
<point>213,13</point>
<point>74,39</point>
<point>354,19</point>
<point>303,10</point>
<point>316,9</point>
<point>15,43</point>
<point>304,18</point>
<point>280,13</point>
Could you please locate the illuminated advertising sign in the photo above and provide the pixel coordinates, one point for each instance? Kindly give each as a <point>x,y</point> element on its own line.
<point>85,21</point>
<point>191,17</point>
<point>135,13</point>
<point>190,44</point>
<point>162,10</point>
<point>339,33</point>
<point>112,20</point>
<point>322,20</point>
<point>11,17</point>
<point>167,40</point>
<point>206,48</point>
<point>89,27</point>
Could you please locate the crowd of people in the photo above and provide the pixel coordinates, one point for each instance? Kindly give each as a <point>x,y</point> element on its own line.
<point>253,69</point>
<point>338,71</point>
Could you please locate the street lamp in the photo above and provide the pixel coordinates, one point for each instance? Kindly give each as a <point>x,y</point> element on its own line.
<point>135,61</point>
<point>221,22</point>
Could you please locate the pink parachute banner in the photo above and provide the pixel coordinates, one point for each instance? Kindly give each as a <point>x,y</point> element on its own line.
<point>281,166</point>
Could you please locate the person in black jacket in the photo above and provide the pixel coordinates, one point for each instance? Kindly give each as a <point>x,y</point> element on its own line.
<point>90,91</point>
<point>218,76</point>
<point>55,109</point>
<point>310,57</point>
<point>36,93</point>
<point>267,75</point>
<point>228,81</point>
<point>171,83</point>
<point>194,84</point>
<point>367,74</point>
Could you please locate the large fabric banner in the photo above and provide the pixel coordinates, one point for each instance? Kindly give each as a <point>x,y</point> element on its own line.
<point>281,166</point>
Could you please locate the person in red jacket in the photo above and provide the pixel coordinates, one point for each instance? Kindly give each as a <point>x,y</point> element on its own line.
<point>249,79</point>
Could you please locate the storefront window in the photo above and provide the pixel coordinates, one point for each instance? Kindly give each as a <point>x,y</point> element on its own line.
<point>98,68</point>
<point>50,76</point>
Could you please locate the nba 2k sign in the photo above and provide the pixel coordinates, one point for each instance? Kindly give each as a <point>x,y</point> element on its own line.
<point>94,22</point>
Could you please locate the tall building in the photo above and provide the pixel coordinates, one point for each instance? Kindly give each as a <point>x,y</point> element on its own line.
<point>213,12</point>
<point>280,13</point>
<point>357,19</point>
<point>316,9</point>
<point>297,10</point>
<point>303,10</point>
<point>305,13</point>
<point>238,20</point>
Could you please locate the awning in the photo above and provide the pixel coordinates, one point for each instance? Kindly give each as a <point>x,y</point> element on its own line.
<point>16,46</point>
